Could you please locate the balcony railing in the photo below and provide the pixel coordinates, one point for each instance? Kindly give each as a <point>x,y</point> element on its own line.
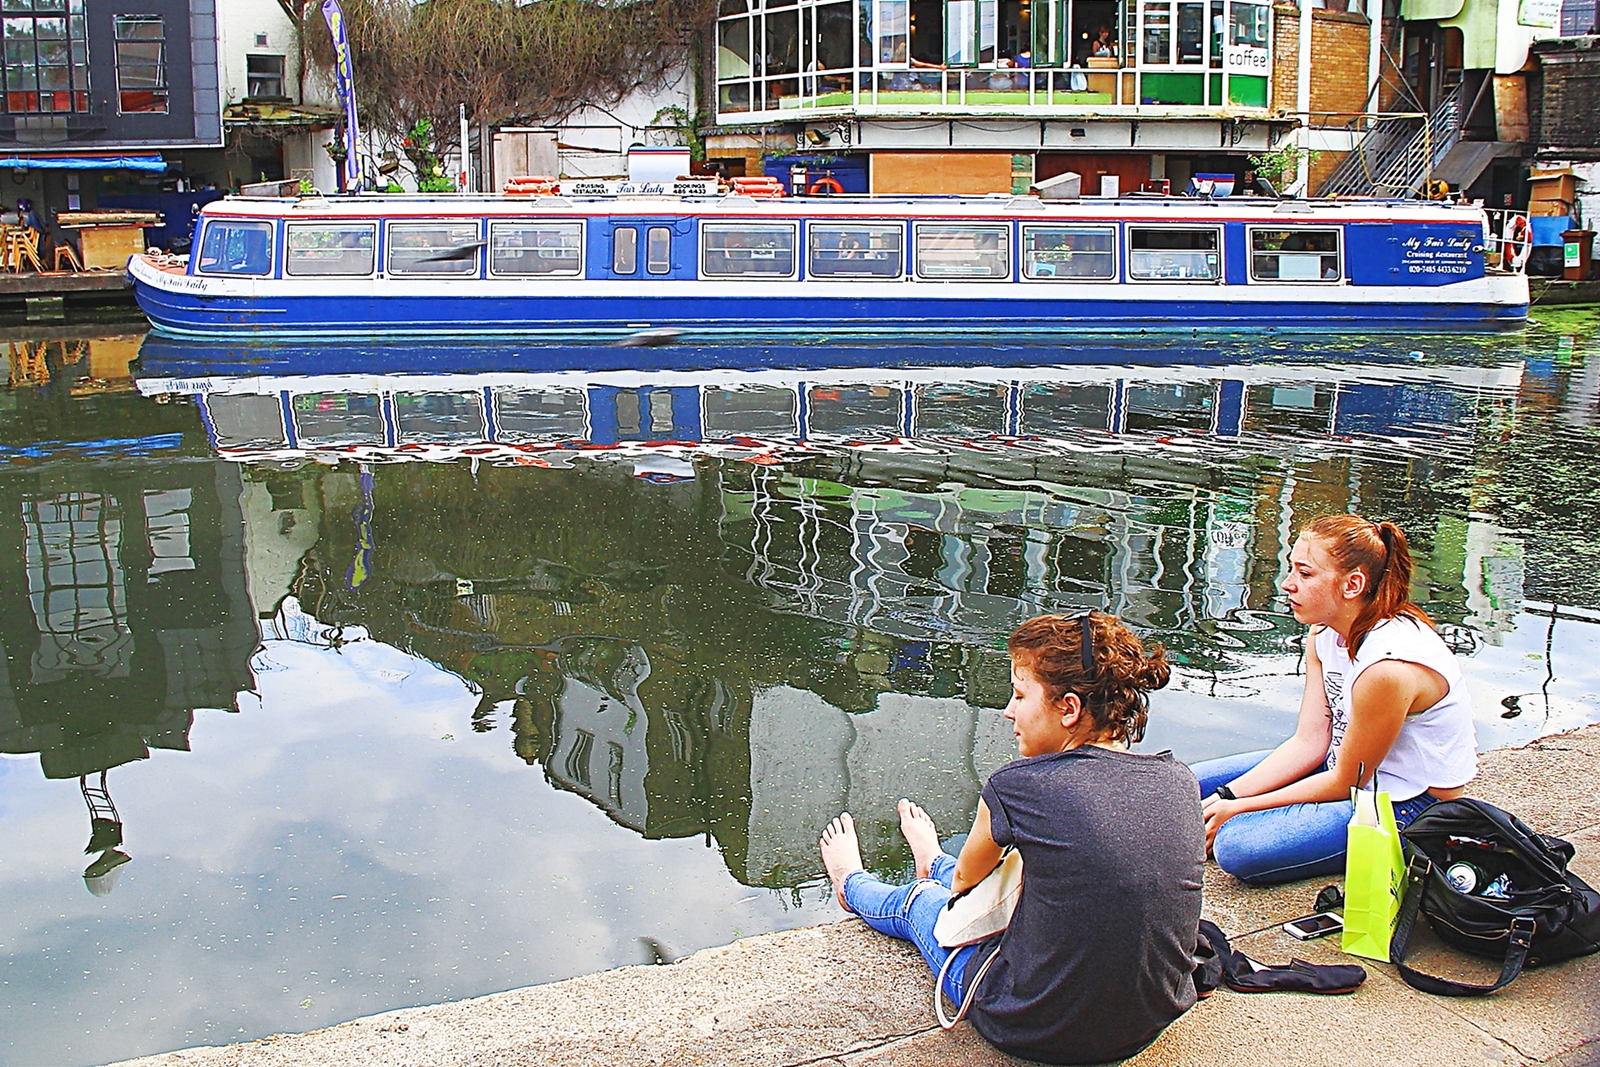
<point>1002,91</point>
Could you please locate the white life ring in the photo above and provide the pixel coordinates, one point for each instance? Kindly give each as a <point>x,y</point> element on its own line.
<point>1516,241</point>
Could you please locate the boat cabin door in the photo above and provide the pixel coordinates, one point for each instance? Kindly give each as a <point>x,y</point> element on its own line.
<point>643,248</point>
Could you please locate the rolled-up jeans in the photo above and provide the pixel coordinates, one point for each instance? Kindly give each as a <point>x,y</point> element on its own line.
<point>909,912</point>
<point>1283,844</point>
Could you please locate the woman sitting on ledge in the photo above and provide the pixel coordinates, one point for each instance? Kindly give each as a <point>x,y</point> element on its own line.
<point>1383,693</point>
<point>1098,957</point>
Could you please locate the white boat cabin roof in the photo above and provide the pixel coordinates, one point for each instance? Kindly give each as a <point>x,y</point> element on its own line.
<point>1149,209</point>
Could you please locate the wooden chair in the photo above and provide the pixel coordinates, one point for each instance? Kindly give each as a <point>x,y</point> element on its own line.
<point>25,248</point>
<point>65,251</point>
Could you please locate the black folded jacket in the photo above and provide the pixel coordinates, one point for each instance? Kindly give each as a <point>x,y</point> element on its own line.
<point>1241,973</point>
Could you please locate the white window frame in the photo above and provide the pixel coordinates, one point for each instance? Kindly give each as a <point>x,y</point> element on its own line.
<point>422,223</point>
<point>272,247</point>
<point>1110,228</point>
<point>841,224</point>
<point>922,226</point>
<point>1338,254</point>
<point>583,239</point>
<point>1128,251</point>
<point>795,251</point>
<point>288,240</point>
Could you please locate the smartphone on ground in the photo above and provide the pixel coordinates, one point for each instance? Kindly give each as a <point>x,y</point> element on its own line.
<point>1307,927</point>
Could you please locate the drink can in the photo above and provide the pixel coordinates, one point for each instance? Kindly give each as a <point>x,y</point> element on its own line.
<point>1463,877</point>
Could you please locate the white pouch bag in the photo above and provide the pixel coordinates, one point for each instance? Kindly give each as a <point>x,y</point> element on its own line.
<point>973,916</point>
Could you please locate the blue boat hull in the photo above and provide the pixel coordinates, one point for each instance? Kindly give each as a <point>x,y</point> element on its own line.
<point>185,315</point>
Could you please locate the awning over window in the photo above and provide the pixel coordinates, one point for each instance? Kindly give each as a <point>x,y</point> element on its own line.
<point>1419,10</point>
<point>145,161</point>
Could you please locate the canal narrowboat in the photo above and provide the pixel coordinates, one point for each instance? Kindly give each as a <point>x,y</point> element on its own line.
<point>606,260</point>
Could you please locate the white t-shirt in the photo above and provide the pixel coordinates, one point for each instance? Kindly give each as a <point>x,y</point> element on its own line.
<point>1436,747</point>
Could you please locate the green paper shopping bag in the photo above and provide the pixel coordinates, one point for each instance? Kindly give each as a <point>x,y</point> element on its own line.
<point>1374,876</point>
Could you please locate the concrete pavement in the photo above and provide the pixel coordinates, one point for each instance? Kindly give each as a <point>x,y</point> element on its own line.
<point>843,996</point>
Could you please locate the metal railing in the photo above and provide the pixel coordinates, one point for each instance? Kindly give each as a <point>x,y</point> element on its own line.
<point>1395,157</point>
<point>1504,251</point>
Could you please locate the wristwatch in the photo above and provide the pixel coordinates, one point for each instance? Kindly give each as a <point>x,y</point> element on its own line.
<point>1225,793</point>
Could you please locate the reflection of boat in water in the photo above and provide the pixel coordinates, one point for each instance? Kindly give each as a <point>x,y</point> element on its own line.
<point>588,263</point>
<point>480,410</point>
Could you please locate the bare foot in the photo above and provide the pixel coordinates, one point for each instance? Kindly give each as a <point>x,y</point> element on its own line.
<point>841,853</point>
<point>921,835</point>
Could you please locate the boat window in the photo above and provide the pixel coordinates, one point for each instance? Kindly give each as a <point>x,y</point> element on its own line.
<point>658,250</point>
<point>326,419</point>
<point>730,249</point>
<point>868,250</point>
<point>330,248</point>
<point>624,250</point>
<point>536,247</point>
<point>947,251</point>
<point>1172,254</point>
<point>1298,255</point>
<point>1069,252</point>
<point>434,248</point>
<point>236,248</point>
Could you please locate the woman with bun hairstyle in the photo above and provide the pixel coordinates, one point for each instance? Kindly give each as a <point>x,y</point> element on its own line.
<point>1098,958</point>
<point>1383,693</point>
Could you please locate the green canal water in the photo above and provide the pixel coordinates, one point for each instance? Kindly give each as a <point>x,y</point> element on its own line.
<point>376,690</point>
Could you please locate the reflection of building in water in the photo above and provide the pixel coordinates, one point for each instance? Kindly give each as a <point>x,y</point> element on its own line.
<point>1492,572</point>
<point>809,761</point>
<point>122,610</point>
<point>282,517</point>
<point>964,563</point>
<point>601,727</point>
<point>763,637</point>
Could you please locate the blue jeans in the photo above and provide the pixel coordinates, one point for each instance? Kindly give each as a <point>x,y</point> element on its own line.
<point>909,912</point>
<point>1283,844</point>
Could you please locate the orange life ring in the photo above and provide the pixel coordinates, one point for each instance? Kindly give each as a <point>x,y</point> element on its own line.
<point>1516,241</point>
<point>825,184</point>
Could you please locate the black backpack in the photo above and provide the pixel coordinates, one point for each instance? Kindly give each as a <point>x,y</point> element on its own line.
<point>1548,915</point>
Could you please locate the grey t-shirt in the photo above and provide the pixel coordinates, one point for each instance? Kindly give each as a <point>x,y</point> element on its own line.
<point>1098,958</point>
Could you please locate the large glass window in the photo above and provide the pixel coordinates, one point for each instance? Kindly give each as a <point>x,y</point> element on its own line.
<point>864,250</point>
<point>230,247</point>
<point>1157,21</point>
<point>554,248</point>
<point>141,64</point>
<point>1079,253</point>
<point>338,248</point>
<point>731,249</point>
<point>46,56</point>
<point>950,251</point>
<point>1298,255</point>
<point>1173,254</point>
<point>434,248</point>
<point>1191,34</point>
<point>892,31</point>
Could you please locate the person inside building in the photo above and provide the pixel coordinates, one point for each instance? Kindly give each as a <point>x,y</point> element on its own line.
<point>30,218</point>
<point>1103,44</point>
<point>1098,957</point>
<point>1383,694</point>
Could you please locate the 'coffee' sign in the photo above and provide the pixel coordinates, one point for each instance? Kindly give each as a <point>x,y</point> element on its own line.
<point>1245,59</point>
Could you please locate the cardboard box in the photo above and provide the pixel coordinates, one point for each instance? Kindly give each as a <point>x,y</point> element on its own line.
<point>1559,185</point>
<point>1541,209</point>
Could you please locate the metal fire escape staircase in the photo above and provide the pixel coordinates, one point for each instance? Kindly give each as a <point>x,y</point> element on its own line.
<point>1395,157</point>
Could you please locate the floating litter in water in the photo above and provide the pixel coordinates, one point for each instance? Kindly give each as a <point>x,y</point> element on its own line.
<point>650,338</point>
<point>1416,355</point>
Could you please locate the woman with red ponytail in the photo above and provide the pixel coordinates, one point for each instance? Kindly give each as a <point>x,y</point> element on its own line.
<point>1383,693</point>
